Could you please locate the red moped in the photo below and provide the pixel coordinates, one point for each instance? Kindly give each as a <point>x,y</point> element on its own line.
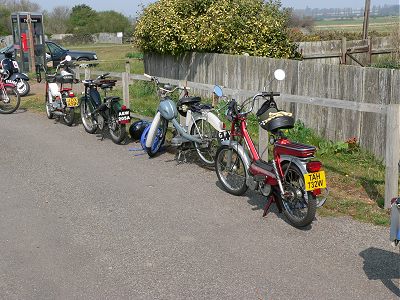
<point>291,179</point>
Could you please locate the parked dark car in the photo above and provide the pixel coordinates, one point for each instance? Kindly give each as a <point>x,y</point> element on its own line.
<point>56,53</point>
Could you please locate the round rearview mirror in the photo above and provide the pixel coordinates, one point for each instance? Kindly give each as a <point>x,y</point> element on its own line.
<point>218,91</point>
<point>68,58</point>
<point>279,74</point>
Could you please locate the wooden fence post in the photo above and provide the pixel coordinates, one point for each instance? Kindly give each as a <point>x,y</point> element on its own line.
<point>87,73</point>
<point>125,88</point>
<point>344,51</point>
<point>127,67</point>
<point>392,157</point>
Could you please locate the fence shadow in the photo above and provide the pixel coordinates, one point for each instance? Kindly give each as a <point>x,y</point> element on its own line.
<point>384,266</point>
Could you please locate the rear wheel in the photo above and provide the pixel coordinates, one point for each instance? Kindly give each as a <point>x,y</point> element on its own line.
<point>87,121</point>
<point>300,205</point>
<point>159,138</point>
<point>9,100</point>
<point>69,115</point>
<point>208,149</point>
<point>231,170</point>
<point>117,130</point>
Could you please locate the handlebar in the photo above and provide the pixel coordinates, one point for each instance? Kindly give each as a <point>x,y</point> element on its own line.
<point>167,89</point>
<point>233,108</point>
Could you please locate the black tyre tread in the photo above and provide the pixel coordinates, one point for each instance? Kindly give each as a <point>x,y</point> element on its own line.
<point>311,207</point>
<point>88,130</point>
<point>70,111</point>
<point>244,187</point>
<point>14,91</point>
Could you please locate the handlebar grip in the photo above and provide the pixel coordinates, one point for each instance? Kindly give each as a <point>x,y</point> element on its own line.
<point>273,94</point>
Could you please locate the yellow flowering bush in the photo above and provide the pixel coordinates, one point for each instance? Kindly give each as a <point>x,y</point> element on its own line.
<point>219,26</point>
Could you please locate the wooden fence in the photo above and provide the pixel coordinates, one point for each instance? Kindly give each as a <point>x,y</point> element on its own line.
<point>381,118</point>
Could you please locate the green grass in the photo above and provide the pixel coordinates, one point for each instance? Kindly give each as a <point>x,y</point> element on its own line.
<point>384,25</point>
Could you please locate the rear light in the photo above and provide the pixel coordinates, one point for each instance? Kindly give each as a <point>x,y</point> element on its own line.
<point>123,107</point>
<point>316,192</point>
<point>314,166</point>
<point>71,94</point>
<point>223,126</point>
<point>393,200</point>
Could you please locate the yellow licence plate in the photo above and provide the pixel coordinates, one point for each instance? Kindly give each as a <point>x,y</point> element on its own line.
<point>72,102</point>
<point>315,181</point>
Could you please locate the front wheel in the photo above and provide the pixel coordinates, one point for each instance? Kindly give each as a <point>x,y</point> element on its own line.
<point>158,138</point>
<point>69,116</point>
<point>88,121</point>
<point>231,170</point>
<point>49,108</point>
<point>299,205</point>
<point>23,87</point>
<point>211,142</point>
<point>9,100</point>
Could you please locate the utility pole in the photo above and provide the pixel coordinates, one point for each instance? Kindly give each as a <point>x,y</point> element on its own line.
<point>366,19</point>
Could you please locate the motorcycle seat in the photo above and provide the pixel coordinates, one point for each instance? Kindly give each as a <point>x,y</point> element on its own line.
<point>189,100</point>
<point>198,107</point>
<point>112,99</point>
<point>106,86</point>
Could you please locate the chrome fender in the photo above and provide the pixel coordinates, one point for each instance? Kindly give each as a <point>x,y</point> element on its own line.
<point>301,164</point>
<point>152,131</point>
<point>242,153</point>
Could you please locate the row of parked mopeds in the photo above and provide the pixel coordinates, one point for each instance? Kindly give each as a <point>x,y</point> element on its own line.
<point>292,178</point>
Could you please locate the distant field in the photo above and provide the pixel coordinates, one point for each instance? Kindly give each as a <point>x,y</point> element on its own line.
<point>112,57</point>
<point>379,24</point>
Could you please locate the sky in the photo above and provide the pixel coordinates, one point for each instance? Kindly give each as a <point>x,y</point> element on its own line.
<point>131,7</point>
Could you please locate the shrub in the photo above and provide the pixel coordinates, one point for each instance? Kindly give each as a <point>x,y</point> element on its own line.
<point>220,26</point>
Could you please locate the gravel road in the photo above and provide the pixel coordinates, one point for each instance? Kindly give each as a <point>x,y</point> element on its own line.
<point>82,218</point>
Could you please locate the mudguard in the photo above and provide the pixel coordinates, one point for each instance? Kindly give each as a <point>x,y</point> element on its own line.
<point>395,222</point>
<point>15,76</point>
<point>210,118</point>
<point>301,164</point>
<point>153,129</point>
<point>241,151</point>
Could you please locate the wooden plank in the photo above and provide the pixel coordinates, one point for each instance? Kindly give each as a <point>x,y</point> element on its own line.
<point>392,153</point>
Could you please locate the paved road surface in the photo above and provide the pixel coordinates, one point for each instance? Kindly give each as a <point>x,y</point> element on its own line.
<point>82,218</point>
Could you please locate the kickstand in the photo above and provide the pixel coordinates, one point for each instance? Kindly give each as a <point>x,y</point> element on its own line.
<point>271,199</point>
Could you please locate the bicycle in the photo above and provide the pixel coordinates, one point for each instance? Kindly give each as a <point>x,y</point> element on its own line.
<point>9,96</point>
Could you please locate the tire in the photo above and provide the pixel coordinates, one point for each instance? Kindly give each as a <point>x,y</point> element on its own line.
<point>87,121</point>
<point>117,130</point>
<point>69,116</point>
<point>233,179</point>
<point>49,112</point>
<point>159,138</point>
<point>207,132</point>
<point>9,100</point>
<point>23,87</point>
<point>300,209</point>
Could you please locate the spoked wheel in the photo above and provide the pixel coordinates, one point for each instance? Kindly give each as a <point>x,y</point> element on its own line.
<point>231,170</point>
<point>159,138</point>
<point>300,205</point>
<point>87,121</point>
<point>49,110</point>
<point>117,130</point>
<point>23,87</point>
<point>209,135</point>
<point>9,100</point>
<point>69,115</point>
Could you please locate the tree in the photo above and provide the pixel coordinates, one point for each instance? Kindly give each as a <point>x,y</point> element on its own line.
<point>112,21</point>
<point>222,26</point>
<point>9,6</point>
<point>56,21</point>
<point>82,20</point>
